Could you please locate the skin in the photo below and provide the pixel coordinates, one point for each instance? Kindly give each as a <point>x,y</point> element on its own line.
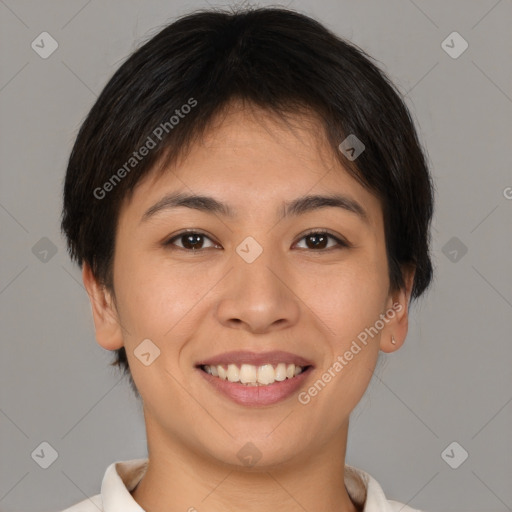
<point>295,297</point>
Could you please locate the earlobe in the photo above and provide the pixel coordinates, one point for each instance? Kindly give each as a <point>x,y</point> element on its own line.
<point>393,336</point>
<point>105,317</point>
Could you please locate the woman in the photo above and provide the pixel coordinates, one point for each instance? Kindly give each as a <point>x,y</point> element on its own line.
<point>250,207</point>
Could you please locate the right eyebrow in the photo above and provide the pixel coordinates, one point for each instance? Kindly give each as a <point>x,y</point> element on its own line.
<point>298,206</point>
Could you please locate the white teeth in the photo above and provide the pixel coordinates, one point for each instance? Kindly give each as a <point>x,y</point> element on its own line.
<point>233,373</point>
<point>266,374</point>
<point>247,373</point>
<point>251,375</point>
<point>280,372</point>
<point>223,374</point>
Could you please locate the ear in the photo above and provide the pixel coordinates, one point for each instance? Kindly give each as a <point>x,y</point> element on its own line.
<point>397,312</point>
<point>105,316</point>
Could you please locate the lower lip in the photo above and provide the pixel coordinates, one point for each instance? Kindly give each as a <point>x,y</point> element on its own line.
<point>257,395</point>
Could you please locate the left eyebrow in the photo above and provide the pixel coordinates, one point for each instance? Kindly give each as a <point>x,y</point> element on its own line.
<point>309,203</point>
<point>298,206</point>
<point>197,202</point>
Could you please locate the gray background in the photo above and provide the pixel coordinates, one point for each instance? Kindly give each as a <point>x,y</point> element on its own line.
<point>451,381</point>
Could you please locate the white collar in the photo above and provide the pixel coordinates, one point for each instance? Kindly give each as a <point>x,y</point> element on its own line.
<point>121,478</point>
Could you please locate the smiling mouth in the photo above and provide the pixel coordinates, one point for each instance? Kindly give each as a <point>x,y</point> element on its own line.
<point>251,375</point>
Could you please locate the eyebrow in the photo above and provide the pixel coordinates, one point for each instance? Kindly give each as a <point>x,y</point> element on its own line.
<point>295,207</point>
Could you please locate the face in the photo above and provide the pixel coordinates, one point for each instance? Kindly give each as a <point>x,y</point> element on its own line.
<point>255,280</point>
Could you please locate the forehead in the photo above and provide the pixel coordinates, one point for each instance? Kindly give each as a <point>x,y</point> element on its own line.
<point>250,158</point>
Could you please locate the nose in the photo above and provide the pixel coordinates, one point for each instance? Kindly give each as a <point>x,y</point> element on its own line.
<point>258,296</point>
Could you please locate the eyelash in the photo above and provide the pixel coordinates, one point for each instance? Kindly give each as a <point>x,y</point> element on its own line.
<point>340,242</point>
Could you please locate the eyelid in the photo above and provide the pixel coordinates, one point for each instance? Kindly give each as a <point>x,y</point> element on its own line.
<point>172,238</point>
<point>340,241</point>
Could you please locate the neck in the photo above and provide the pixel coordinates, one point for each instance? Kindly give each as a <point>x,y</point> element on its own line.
<point>179,477</point>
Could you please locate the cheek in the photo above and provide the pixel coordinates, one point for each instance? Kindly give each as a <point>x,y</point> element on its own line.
<point>158,303</point>
<point>348,298</point>
<point>158,300</point>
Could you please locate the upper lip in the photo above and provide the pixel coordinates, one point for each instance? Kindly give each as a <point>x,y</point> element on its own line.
<point>240,357</point>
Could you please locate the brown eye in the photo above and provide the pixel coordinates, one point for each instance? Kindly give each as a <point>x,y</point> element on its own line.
<point>190,240</point>
<point>318,240</point>
<point>193,241</point>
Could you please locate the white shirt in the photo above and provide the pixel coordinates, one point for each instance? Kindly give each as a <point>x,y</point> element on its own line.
<point>122,477</point>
